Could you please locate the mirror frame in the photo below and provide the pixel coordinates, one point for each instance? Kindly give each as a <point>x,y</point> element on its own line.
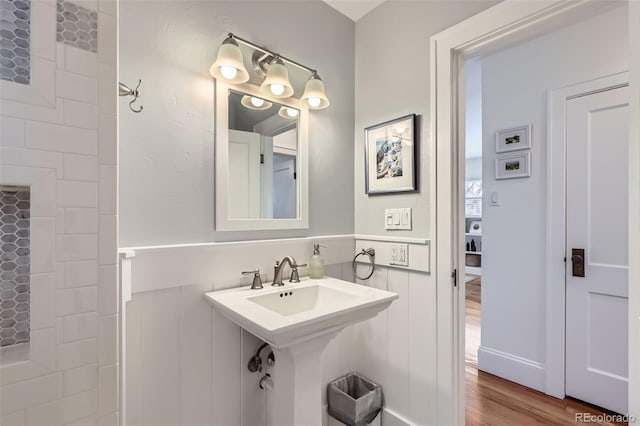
<point>222,220</point>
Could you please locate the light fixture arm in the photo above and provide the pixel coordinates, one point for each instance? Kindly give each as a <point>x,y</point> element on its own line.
<point>272,53</point>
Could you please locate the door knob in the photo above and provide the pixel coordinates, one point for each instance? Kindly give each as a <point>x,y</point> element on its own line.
<point>577,261</point>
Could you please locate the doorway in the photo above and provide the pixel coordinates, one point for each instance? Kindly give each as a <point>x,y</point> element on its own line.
<point>493,28</point>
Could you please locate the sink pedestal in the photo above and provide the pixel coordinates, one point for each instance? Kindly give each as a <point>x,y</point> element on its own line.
<point>297,396</point>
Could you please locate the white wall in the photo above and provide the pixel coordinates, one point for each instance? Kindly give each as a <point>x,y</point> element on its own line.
<point>167,152</point>
<point>515,82</point>
<point>392,80</point>
<point>58,135</point>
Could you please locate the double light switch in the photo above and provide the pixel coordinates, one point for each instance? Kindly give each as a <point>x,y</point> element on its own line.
<point>397,219</point>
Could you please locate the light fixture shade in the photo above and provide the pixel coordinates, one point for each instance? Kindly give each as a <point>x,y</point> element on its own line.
<point>230,55</point>
<point>246,102</point>
<point>279,76</point>
<point>314,94</point>
<point>284,113</point>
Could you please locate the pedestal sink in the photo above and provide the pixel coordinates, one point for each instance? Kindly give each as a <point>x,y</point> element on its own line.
<point>298,321</point>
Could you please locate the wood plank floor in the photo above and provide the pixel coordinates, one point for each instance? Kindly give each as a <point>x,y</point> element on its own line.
<point>492,401</point>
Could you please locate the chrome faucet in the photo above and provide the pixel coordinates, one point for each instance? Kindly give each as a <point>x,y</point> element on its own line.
<point>278,269</point>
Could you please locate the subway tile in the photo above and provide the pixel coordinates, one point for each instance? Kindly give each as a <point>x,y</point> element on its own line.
<point>86,421</point>
<point>77,87</point>
<point>111,419</point>
<point>108,402</point>
<point>76,247</point>
<point>107,139</point>
<point>11,131</point>
<point>77,354</point>
<point>108,79</point>
<point>109,7</point>
<point>108,197</point>
<point>80,114</point>
<point>77,194</point>
<point>54,137</point>
<point>42,348</point>
<point>107,39</point>
<point>43,231</point>
<point>80,406</point>
<point>76,301</point>
<point>108,240</point>
<point>80,379</point>
<point>108,335</point>
<point>43,26</point>
<point>80,221</point>
<point>32,112</point>
<point>81,167</point>
<point>15,419</point>
<point>80,61</point>
<point>49,414</point>
<point>80,327</point>
<point>61,54</point>
<point>80,274</point>
<point>60,221</point>
<point>43,197</point>
<point>43,312</point>
<point>32,158</point>
<point>29,393</point>
<point>108,290</point>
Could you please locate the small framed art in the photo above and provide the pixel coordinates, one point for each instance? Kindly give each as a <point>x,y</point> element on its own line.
<point>390,151</point>
<point>513,139</point>
<point>513,166</point>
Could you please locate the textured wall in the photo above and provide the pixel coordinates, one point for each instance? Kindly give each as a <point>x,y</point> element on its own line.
<point>167,152</point>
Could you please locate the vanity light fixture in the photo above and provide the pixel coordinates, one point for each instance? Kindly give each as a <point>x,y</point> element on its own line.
<point>229,66</point>
<point>286,112</point>
<point>253,102</point>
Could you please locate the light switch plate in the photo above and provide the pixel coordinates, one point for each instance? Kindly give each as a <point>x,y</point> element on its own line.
<point>397,219</point>
<point>399,254</point>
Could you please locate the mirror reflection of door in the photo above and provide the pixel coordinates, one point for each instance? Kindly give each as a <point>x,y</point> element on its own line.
<point>263,146</point>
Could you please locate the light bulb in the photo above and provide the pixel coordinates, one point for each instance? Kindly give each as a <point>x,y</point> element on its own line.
<point>257,102</point>
<point>277,89</point>
<point>228,72</point>
<point>314,102</point>
<point>292,112</point>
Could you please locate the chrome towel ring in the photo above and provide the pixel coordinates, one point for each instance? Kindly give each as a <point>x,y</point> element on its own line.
<point>372,257</point>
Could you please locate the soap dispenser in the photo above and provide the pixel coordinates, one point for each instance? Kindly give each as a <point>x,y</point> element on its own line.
<point>316,263</point>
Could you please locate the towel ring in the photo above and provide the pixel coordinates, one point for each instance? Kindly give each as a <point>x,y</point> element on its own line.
<point>372,256</point>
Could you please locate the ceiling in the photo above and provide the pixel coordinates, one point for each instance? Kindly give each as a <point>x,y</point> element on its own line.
<point>354,9</point>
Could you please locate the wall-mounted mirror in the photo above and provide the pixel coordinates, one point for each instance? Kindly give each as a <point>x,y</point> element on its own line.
<point>261,161</point>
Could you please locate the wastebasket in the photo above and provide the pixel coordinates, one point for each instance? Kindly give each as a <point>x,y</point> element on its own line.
<point>354,400</point>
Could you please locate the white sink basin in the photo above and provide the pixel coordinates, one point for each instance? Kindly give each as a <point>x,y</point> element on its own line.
<point>298,321</point>
<point>283,316</point>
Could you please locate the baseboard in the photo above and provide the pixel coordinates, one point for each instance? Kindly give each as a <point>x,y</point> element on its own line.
<point>514,368</point>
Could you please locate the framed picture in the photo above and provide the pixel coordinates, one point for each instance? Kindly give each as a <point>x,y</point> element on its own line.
<point>513,139</point>
<point>390,156</point>
<point>513,166</point>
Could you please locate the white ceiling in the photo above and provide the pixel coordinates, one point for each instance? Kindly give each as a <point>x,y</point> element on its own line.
<point>354,9</point>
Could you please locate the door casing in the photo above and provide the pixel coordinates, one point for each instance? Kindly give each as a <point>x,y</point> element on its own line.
<point>503,24</point>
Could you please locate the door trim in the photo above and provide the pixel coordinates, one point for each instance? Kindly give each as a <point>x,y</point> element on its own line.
<point>556,223</point>
<point>504,23</point>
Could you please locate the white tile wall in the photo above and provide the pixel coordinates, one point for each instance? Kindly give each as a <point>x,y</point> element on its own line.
<point>54,138</point>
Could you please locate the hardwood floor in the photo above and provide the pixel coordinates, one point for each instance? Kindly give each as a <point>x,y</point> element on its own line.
<point>492,401</point>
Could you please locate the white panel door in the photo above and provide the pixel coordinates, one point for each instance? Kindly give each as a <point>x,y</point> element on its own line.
<point>244,175</point>
<point>597,212</point>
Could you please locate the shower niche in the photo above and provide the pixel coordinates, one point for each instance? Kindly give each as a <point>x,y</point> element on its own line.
<point>15,266</point>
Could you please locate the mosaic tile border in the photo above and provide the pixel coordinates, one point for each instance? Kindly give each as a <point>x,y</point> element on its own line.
<point>77,26</point>
<point>15,41</point>
<point>15,266</point>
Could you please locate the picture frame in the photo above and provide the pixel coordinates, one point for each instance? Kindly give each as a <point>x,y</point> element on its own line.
<point>390,156</point>
<point>513,166</point>
<point>514,139</point>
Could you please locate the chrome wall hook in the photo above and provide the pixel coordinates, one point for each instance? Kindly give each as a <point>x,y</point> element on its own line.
<point>124,90</point>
